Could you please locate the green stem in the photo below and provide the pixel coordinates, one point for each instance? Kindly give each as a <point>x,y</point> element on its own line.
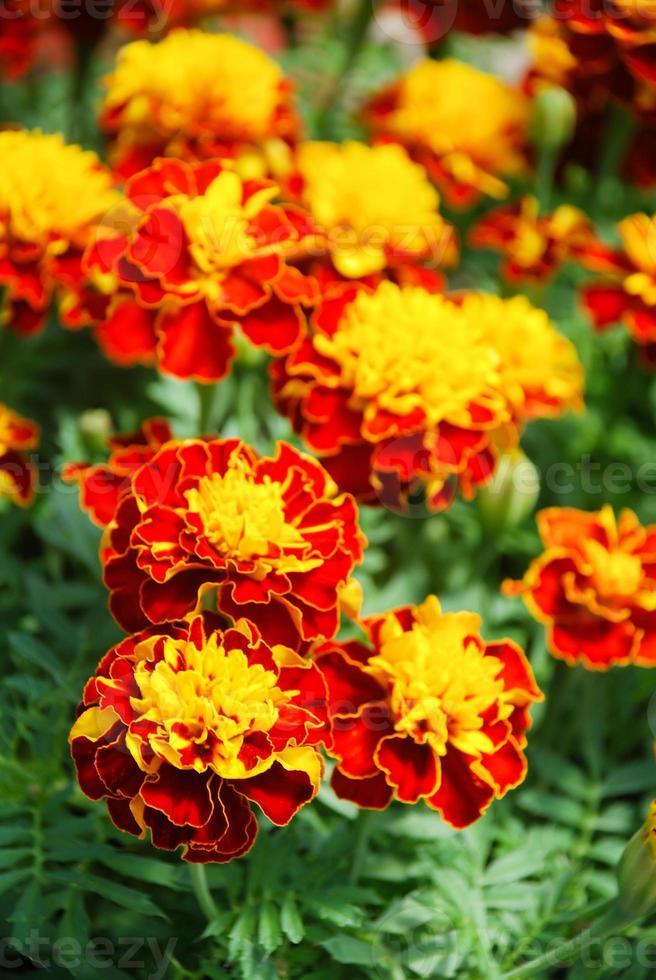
<point>206,400</point>
<point>355,32</point>
<point>362,834</point>
<point>544,177</point>
<point>202,892</point>
<point>610,923</point>
<point>619,130</point>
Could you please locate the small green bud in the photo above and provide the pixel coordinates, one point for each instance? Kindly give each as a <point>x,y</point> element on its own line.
<point>554,118</point>
<point>511,495</point>
<point>636,873</point>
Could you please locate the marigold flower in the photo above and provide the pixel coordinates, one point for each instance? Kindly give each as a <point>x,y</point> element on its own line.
<point>466,127</point>
<point>433,19</point>
<point>373,207</point>
<point>427,711</point>
<point>387,416</point>
<point>204,253</point>
<point>540,372</point>
<point>628,292</point>
<point>102,485</point>
<point>594,587</point>
<point>183,727</point>
<point>534,246</point>
<point>52,197</point>
<point>17,474</point>
<point>198,96</point>
<point>269,535</point>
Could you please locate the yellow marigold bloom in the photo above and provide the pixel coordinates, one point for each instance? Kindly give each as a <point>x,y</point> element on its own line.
<point>466,126</point>
<point>541,374</point>
<point>17,474</point>
<point>51,197</point>
<point>197,95</point>
<point>373,204</point>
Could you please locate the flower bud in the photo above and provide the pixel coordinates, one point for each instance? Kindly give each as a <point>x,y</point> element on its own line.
<point>512,493</point>
<point>554,117</point>
<point>636,872</point>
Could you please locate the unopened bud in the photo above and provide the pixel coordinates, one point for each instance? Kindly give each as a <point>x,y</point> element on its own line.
<point>512,493</point>
<point>637,871</point>
<point>554,118</point>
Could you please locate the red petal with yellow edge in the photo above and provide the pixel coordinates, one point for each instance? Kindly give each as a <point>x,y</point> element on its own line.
<point>128,335</point>
<point>193,344</point>
<point>175,599</point>
<point>280,793</point>
<point>410,766</point>
<point>235,840</point>
<point>547,592</point>
<point>118,770</point>
<point>516,673</point>
<point>159,247</point>
<point>348,686</point>
<point>597,642</point>
<point>276,326</point>
<point>164,834</point>
<point>163,178</point>
<point>22,475</point>
<point>371,794</point>
<point>507,767</point>
<point>462,796</point>
<point>181,794</point>
<point>122,817</point>
<point>605,304</point>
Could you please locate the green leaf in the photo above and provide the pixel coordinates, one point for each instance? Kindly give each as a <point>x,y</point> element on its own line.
<point>290,919</point>
<point>268,934</point>
<point>346,949</point>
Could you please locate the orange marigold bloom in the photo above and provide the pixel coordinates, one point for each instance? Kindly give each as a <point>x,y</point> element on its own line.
<point>534,246</point>
<point>387,416</point>
<point>428,711</point>
<point>102,485</point>
<point>203,253</point>
<point>17,474</point>
<point>197,96</point>
<point>52,198</point>
<point>629,293</point>
<point>183,727</point>
<point>268,535</point>
<point>594,587</point>
<point>372,207</point>
<point>466,127</point>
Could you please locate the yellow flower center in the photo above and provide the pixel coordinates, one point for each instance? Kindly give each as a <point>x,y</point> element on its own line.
<point>407,348</point>
<point>194,81</point>
<point>204,704</point>
<point>367,198</point>
<point>440,682</point>
<point>246,521</point>
<point>534,357</point>
<point>217,224</point>
<point>455,108</point>
<point>615,573</point>
<point>50,192</point>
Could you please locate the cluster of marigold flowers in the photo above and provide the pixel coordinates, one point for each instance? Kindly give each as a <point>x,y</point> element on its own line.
<point>215,224</point>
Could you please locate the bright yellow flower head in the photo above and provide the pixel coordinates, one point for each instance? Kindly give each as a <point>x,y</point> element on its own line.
<point>50,192</point>
<point>400,349</point>
<point>540,370</point>
<point>371,201</point>
<point>638,233</point>
<point>471,120</point>
<point>190,86</point>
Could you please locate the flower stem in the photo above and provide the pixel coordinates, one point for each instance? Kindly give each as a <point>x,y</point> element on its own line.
<point>363,830</point>
<point>355,32</point>
<point>620,128</point>
<point>202,891</point>
<point>614,920</point>
<point>544,177</point>
<point>206,399</point>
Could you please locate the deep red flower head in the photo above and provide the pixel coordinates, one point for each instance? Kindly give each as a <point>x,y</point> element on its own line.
<point>269,535</point>
<point>17,474</point>
<point>203,253</point>
<point>388,417</point>
<point>427,710</point>
<point>183,727</point>
<point>594,587</point>
<point>102,485</point>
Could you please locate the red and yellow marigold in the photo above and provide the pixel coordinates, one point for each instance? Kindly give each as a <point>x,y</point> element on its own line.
<point>183,727</point>
<point>202,253</point>
<point>52,199</point>
<point>103,484</point>
<point>627,293</point>
<point>594,587</point>
<point>198,96</point>
<point>466,127</point>
<point>268,538</point>
<point>427,710</point>
<point>389,417</point>
<point>372,207</point>
<point>17,473</point>
<point>534,246</point>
